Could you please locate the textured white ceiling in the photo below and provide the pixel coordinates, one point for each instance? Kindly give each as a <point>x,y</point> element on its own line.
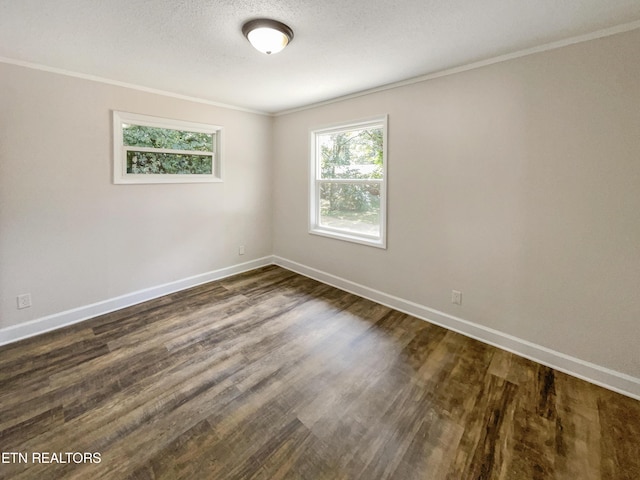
<point>196,48</point>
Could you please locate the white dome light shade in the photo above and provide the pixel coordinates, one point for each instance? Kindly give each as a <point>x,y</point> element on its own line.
<point>267,40</point>
<point>267,36</point>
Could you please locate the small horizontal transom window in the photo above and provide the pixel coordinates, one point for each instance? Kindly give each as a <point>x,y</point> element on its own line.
<point>158,150</point>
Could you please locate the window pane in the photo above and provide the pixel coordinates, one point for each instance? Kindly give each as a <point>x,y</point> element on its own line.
<point>168,163</point>
<point>351,154</point>
<point>351,207</point>
<point>142,136</point>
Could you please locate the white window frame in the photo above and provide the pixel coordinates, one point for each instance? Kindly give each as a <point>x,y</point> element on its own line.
<point>120,175</point>
<point>315,227</point>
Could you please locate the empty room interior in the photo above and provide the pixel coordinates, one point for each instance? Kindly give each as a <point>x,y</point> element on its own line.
<point>398,240</point>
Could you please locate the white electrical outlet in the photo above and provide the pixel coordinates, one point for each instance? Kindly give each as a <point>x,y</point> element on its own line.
<point>456,297</point>
<point>241,250</point>
<point>24,301</point>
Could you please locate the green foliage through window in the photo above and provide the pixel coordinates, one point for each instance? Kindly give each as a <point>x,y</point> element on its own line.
<point>162,162</point>
<point>354,155</point>
<point>168,163</point>
<point>351,154</point>
<point>153,137</point>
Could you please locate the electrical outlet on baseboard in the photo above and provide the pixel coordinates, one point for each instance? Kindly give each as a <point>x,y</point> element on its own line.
<point>241,250</point>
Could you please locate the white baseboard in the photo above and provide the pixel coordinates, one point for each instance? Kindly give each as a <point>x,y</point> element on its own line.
<point>69,317</point>
<point>596,374</point>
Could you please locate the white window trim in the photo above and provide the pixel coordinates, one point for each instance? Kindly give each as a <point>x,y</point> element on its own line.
<point>314,185</point>
<point>120,175</point>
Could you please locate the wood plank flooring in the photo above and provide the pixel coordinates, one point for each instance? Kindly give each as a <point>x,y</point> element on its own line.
<point>271,375</point>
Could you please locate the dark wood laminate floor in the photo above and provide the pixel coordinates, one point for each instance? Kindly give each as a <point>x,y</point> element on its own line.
<point>271,375</point>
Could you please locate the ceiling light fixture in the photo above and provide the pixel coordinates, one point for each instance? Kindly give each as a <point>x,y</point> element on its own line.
<point>267,36</point>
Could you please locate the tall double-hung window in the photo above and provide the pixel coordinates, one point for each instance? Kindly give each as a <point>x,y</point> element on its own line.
<point>348,181</point>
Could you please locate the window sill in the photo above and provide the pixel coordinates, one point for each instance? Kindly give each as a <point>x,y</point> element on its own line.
<point>349,237</point>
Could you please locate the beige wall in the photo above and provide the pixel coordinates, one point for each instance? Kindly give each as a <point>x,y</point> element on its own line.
<point>70,237</point>
<point>516,183</point>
